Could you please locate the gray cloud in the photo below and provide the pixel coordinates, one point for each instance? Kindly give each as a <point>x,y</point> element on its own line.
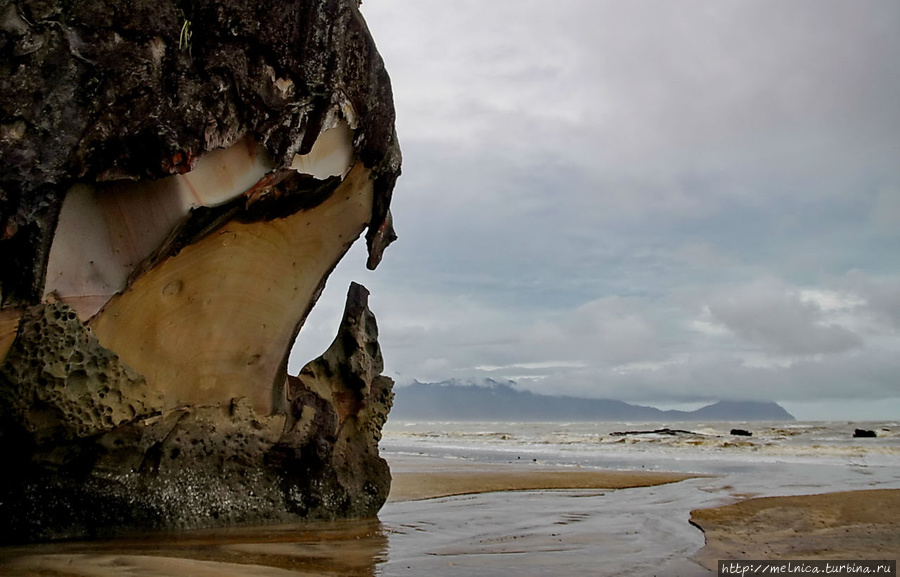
<point>778,320</point>
<point>648,199</point>
<point>880,296</point>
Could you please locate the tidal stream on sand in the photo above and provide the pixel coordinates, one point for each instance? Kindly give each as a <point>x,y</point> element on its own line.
<point>636,531</point>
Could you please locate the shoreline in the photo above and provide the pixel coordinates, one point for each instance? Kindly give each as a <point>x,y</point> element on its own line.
<point>857,525</point>
<point>477,480</point>
<point>444,516</point>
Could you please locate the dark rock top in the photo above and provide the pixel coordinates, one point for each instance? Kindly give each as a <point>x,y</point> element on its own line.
<point>102,90</point>
<point>187,173</point>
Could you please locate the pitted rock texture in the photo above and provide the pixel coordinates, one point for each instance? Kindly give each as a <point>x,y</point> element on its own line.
<point>59,384</point>
<point>206,466</point>
<point>185,469</point>
<point>105,90</point>
<point>337,407</point>
<point>178,179</point>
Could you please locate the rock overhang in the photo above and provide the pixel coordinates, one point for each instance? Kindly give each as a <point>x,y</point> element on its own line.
<point>225,112</point>
<point>188,194</point>
<point>124,98</point>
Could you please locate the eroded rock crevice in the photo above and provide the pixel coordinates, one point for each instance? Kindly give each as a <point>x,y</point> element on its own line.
<point>91,451</point>
<point>178,181</point>
<point>110,91</point>
<point>337,407</point>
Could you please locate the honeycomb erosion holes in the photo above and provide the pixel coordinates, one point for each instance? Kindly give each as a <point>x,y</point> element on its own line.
<point>169,214</point>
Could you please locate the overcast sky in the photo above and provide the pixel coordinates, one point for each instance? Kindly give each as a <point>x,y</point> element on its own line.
<point>660,202</point>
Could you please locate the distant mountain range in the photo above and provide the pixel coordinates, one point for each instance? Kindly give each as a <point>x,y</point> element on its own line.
<point>495,401</point>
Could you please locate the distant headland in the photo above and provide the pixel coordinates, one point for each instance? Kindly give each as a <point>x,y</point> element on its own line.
<point>494,400</point>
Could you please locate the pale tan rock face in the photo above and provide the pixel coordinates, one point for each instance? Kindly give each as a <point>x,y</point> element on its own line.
<point>9,324</point>
<point>167,222</point>
<point>106,231</point>
<point>217,320</point>
<point>92,451</point>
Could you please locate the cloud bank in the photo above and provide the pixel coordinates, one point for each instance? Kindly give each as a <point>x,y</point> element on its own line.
<point>649,201</point>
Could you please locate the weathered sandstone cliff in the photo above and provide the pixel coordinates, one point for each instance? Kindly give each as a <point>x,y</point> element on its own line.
<point>179,178</point>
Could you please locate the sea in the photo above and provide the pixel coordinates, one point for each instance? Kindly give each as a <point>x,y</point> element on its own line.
<point>641,531</point>
<point>694,447</point>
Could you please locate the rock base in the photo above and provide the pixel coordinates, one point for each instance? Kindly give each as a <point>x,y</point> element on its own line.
<point>96,458</point>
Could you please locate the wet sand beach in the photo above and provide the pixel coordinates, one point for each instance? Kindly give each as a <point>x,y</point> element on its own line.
<point>345,548</point>
<point>843,525</point>
<point>447,517</point>
<point>442,517</point>
<point>466,479</point>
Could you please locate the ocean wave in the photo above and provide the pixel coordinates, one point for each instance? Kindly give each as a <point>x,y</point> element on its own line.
<point>583,442</point>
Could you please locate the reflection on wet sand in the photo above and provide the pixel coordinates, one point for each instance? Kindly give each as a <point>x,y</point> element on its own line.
<point>345,548</point>
<point>496,529</point>
<point>440,522</point>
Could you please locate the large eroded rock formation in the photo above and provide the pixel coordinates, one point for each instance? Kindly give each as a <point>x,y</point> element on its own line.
<point>179,178</point>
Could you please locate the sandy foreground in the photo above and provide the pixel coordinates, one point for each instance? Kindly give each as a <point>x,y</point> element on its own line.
<point>407,486</point>
<point>844,525</point>
<point>465,518</point>
<point>848,525</point>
